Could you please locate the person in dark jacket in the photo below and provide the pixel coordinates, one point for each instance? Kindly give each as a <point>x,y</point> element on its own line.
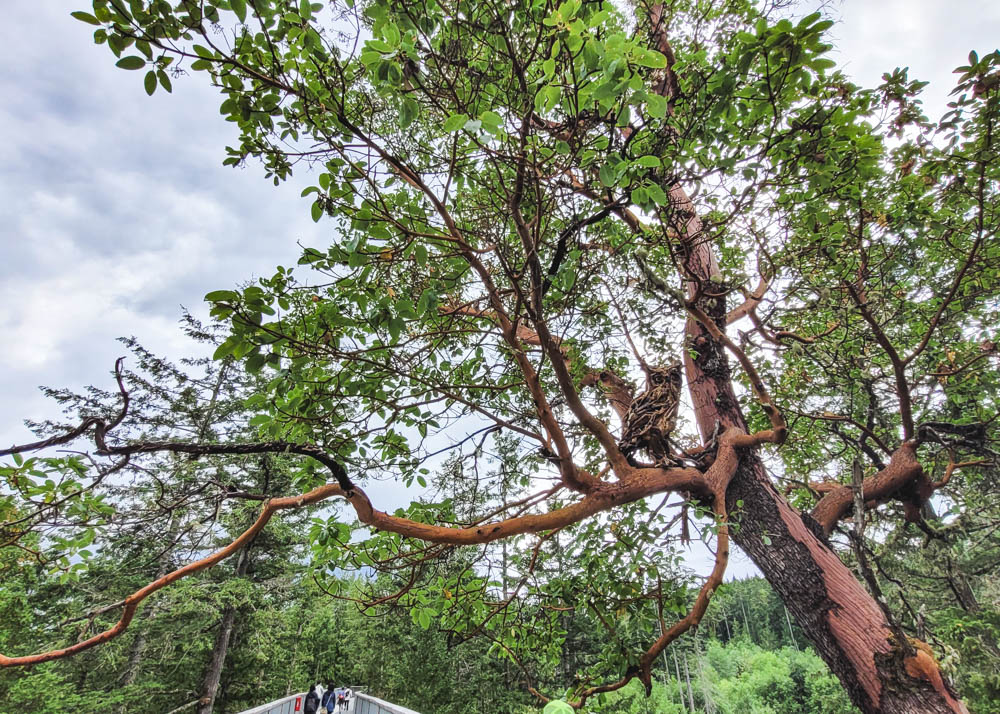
<point>312,700</point>
<point>329,701</point>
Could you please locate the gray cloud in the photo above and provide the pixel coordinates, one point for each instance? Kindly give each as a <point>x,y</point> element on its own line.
<point>930,37</point>
<point>116,210</point>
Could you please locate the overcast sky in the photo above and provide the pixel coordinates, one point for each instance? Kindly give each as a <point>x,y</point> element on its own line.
<point>115,210</point>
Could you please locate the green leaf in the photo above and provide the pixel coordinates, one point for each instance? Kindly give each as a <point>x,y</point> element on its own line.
<point>606,90</point>
<point>547,99</point>
<point>396,325</point>
<point>454,123</point>
<point>408,112</point>
<point>222,296</point>
<point>656,193</point>
<point>652,59</point>
<point>149,82</point>
<point>608,175</point>
<point>648,161</point>
<point>255,362</point>
<point>557,706</point>
<point>85,17</point>
<point>656,106</point>
<point>317,211</point>
<point>223,350</point>
<point>131,62</point>
<point>164,80</point>
<point>490,119</point>
<point>240,8</point>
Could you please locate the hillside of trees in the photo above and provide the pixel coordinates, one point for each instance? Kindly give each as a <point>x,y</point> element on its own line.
<point>747,656</point>
<point>290,633</point>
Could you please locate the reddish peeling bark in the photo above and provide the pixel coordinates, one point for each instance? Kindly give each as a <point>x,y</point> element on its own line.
<point>903,478</point>
<point>844,623</point>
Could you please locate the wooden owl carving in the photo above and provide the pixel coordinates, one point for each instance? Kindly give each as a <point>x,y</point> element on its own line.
<point>652,416</point>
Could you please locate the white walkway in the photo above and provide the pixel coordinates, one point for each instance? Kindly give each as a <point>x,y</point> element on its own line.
<point>360,704</point>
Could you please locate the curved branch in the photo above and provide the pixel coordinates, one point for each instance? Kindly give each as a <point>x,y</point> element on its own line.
<point>101,428</point>
<point>618,391</point>
<point>830,416</point>
<point>898,364</point>
<point>131,603</point>
<point>644,482</point>
<point>718,477</point>
<point>750,304</point>
<point>903,478</point>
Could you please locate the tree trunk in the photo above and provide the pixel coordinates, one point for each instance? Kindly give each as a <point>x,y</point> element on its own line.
<point>295,656</point>
<point>680,688</point>
<point>706,694</point>
<point>840,618</point>
<point>213,673</point>
<point>791,633</point>
<point>135,652</point>
<point>138,647</point>
<point>687,678</point>
<point>746,621</point>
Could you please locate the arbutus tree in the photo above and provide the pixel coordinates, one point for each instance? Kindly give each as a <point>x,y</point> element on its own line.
<point>537,206</point>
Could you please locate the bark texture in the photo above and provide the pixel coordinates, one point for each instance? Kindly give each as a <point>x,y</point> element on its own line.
<point>845,624</point>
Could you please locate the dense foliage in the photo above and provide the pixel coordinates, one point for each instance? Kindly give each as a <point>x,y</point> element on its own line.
<point>537,206</point>
<point>291,633</point>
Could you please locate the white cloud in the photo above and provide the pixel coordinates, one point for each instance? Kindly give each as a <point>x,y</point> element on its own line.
<point>115,212</point>
<point>928,36</point>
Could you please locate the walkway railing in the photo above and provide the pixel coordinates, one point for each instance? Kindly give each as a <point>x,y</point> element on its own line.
<point>361,704</point>
<point>289,705</point>
<point>365,704</point>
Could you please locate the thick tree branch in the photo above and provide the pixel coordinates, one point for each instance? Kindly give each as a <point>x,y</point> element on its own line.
<point>903,478</point>
<point>642,483</point>
<point>751,302</point>
<point>718,476</point>
<point>132,602</point>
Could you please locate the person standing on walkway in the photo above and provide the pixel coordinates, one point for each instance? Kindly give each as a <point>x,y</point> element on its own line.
<point>312,700</point>
<point>329,701</point>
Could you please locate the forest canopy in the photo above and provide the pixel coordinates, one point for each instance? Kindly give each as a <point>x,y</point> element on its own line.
<point>598,279</point>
